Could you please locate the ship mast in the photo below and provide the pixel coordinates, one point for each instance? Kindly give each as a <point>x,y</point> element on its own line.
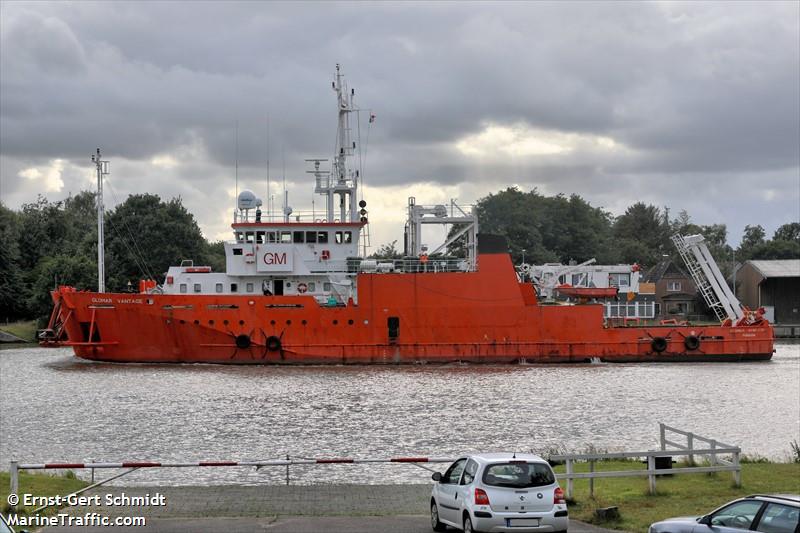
<point>342,181</point>
<point>102,169</point>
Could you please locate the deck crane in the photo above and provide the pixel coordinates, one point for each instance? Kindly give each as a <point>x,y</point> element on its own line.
<point>546,283</point>
<point>710,282</point>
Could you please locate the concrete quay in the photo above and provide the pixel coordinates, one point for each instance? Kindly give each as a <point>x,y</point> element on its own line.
<point>271,508</point>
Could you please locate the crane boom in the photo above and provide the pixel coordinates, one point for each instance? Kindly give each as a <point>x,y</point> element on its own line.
<point>707,277</point>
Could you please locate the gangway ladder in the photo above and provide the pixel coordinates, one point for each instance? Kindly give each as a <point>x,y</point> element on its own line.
<point>707,277</point>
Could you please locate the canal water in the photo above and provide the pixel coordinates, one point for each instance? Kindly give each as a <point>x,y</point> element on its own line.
<point>55,407</point>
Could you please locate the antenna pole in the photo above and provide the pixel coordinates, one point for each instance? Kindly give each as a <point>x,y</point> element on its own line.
<point>102,168</point>
<point>236,163</point>
<point>269,213</point>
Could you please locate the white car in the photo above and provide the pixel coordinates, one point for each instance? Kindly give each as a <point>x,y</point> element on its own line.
<point>499,492</point>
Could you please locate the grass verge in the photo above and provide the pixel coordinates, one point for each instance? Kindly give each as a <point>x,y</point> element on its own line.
<point>25,330</point>
<point>678,495</point>
<point>39,485</point>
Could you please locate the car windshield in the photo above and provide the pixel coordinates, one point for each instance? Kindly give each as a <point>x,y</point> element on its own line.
<point>518,474</point>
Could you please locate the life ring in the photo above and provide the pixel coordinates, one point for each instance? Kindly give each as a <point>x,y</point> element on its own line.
<point>243,341</point>
<point>692,342</point>
<point>273,344</point>
<point>659,344</point>
<point>302,287</point>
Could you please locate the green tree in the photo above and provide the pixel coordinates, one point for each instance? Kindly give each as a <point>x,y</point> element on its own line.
<point>387,251</point>
<point>645,225</point>
<point>788,232</point>
<point>12,290</point>
<point>147,235</point>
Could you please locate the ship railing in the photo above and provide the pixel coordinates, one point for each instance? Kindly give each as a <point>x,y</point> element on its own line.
<point>409,265</point>
<point>305,217</point>
<point>659,462</point>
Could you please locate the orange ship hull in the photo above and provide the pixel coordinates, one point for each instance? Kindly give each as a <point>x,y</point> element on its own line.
<point>485,316</point>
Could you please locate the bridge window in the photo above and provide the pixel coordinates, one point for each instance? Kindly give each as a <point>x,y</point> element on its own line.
<point>239,237</point>
<point>299,236</point>
<point>312,286</point>
<point>183,288</point>
<point>311,236</point>
<point>260,237</point>
<point>344,237</point>
<point>197,287</point>
<point>272,236</point>
<point>249,287</point>
<point>218,287</point>
<point>237,251</point>
<point>234,287</point>
<point>286,237</point>
<point>322,237</point>
<point>249,237</point>
<point>326,287</point>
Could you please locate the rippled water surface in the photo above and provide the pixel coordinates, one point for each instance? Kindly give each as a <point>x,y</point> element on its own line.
<point>56,407</point>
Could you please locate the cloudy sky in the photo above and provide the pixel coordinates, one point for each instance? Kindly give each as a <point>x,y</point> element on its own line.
<point>694,106</point>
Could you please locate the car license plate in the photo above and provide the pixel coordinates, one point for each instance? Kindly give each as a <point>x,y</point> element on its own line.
<point>522,522</point>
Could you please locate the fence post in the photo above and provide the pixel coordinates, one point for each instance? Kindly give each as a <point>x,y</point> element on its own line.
<point>651,474</point>
<point>14,475</point>
<point>690,444</point>
<point>287,469</point>
<point>737,474</point>
<point>569,479</point>
<point>713,454</point>
<point>591,480</point>
<point>663,435</point>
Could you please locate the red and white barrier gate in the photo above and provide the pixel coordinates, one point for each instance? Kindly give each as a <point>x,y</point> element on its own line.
<point>135,465</point>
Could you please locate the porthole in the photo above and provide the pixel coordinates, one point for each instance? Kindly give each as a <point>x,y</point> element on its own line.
<point>304,322</point>
<point>241,322</point>
<point>350,322</point>
<point>335,322</point>
<point>272,322</point>
<point>197,322</point>
<point>225,322</point>
<point>210,322</point>
<point>288,322</point>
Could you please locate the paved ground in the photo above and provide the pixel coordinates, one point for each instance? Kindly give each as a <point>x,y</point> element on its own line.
<point>297,524</point>
<point>278,509</point>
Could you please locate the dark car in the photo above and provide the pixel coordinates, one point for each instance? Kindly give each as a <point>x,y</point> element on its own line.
<point>776,513</point>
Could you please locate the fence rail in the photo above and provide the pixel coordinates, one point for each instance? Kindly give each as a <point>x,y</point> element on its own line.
<point>715,448</point>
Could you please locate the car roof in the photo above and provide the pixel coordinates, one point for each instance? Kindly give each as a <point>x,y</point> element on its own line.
<point>485,458</point>
<point>792,498</point>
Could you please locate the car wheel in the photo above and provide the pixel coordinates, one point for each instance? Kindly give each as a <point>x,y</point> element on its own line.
<point>468,525</point>
<point>435,524</point>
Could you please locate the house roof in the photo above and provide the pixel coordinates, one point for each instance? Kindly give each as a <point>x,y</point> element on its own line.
<point>777,268</point>
<point>661,269</point>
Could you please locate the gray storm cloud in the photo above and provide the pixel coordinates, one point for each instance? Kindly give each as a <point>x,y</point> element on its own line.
<point>689,105</point>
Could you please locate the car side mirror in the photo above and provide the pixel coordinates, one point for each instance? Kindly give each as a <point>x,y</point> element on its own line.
<point>437,476</point>
<point>705,520</point>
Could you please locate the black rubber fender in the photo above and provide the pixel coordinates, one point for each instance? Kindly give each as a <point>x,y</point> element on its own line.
<point>243,341</point>
<point>658,344</point>
<point>273,344</point>
<point>692,342</point>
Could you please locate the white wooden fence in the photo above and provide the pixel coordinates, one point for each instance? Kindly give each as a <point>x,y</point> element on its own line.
<point>713,451</point>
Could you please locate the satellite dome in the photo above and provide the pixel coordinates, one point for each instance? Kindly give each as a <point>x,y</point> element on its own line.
<point>247,200</point>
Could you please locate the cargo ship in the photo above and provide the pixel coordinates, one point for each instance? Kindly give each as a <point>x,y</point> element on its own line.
<point>298,290</point>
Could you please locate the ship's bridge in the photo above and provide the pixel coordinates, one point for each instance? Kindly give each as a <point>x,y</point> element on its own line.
<point>297,248</point>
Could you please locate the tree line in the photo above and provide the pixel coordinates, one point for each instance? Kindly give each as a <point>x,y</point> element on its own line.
<point>45,244</point>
